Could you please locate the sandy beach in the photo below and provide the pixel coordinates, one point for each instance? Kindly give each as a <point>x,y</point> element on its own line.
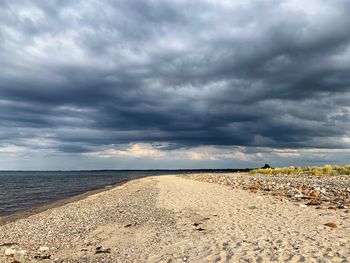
<point>180,219</point>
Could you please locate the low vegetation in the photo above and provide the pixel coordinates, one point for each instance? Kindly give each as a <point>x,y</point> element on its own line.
<point>309,170</point>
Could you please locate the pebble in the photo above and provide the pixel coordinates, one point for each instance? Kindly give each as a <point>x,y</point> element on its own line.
<point>101,249</point>
<point>332,225</point>
<point>20,256</point>
<point>10,252</point>
<point>322,190</point>
<point>44,249</point>
<point>68,227</point>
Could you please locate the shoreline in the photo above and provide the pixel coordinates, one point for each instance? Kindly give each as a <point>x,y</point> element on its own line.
<point>179,218</point>
<point>76,197</point>
<point>212,177</point>
<point>4,219</point>
<point>61,202</point>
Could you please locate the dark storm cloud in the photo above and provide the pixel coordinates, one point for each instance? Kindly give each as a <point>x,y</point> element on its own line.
<point>84,74</point>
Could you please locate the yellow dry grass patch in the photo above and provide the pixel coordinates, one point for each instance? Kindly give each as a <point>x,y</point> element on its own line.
<point>327,170</point>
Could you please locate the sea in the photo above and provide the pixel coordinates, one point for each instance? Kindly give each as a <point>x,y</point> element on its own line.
<point>24,190</point>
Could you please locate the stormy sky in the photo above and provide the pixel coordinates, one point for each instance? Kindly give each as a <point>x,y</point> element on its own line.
<point>174,84</point>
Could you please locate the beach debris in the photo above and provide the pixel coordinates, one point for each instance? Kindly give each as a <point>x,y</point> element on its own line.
<point>101,249</point>
<point>196,224</point>
<point>314,202</point>
<point>296,247</point>
<point>253,189</point>
<point>303,205</point>
<point>332,225</point>
<point>314,194</point>
<point>44,249</point>
<point>128,225</point>
<point>184,258</point>
<point>9,244</point>
<point>298,196</point>
<point>200,229</point>
<point>41,257</point>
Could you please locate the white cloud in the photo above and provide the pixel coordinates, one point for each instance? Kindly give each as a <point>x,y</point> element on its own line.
<point>145,150</point>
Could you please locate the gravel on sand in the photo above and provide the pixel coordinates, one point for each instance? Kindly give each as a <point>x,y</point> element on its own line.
<point>174,219</point>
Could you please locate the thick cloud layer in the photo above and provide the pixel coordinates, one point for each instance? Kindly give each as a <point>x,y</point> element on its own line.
<point>85,77</point>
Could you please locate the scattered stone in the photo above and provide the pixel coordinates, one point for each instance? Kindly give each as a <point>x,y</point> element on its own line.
<point>101,249</point>
<point>332,208</point>
<point>314,202</point>
<point>20,256</point>
<point>253,189</point>
<point>70,227</point>
<point>314,194</point>
<point>44,249</point>
<point>332,225</point>
<point>294,188</point>
<point>319,190</point>
<point>10,252</point>
<point>9,244</point>
<point>42,257</point>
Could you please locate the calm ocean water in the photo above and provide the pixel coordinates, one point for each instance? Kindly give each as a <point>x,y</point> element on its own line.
<point>23,190</point>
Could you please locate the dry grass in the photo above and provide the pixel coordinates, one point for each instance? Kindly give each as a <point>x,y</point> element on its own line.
<point>327,170</point>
